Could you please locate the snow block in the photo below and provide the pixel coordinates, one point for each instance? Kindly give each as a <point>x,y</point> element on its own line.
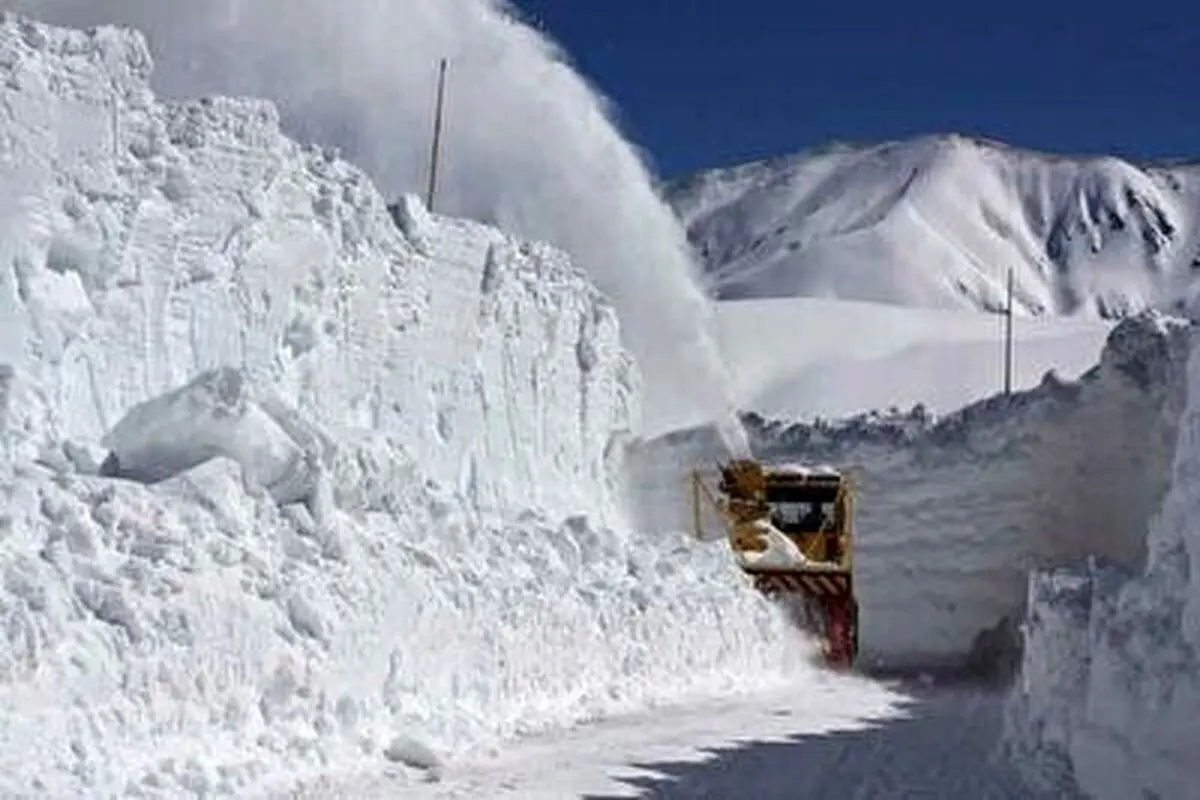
<point>212,416</point>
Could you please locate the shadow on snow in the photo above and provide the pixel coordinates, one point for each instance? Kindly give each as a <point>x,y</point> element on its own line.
<point>945,746</point>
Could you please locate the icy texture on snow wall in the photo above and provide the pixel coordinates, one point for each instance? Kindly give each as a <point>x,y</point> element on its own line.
<point>527,145</point>
<point>397,531</point>
<point>1110,691</point>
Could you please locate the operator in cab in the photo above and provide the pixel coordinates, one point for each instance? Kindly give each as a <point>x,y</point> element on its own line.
<point>814,520</point>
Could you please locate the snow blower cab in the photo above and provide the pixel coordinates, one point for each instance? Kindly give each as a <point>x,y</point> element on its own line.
<point>790,531</point>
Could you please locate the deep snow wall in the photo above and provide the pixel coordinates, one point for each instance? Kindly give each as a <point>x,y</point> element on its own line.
<point>1109,694</point>
<point>181,282</point>
<point>170,240</point>
<point>527,144</point>
<point>951,514</point>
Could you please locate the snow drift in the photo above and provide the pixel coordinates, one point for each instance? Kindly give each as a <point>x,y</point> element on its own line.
<point>358,495</point>
<point>1110,689</point>
<point>803,357</point>
<point>953,513</point>
<point>528,145</point>
<point>935,221</point>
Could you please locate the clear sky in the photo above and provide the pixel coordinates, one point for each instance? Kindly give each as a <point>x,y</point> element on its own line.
<point>704,83</point>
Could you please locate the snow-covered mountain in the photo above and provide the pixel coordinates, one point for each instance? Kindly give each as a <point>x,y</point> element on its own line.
<point>938,220</point>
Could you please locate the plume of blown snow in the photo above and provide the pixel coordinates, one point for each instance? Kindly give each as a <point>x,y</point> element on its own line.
<point>528,144</point>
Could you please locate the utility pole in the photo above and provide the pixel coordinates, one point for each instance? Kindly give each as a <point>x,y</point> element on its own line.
<point>437,134</point>
<point>1008,336</point>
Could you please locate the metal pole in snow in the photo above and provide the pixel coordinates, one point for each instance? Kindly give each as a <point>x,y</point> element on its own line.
<point>1008,336</point>
<point>437,134</point>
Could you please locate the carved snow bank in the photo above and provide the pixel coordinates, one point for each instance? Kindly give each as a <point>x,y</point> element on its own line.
<point>1110,688</point>
<point>156,242</point>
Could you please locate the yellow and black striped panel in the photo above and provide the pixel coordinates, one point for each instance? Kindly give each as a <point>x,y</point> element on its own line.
<point>813,583</point>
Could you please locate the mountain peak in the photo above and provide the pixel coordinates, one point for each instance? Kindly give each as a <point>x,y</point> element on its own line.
<point>938,220</point>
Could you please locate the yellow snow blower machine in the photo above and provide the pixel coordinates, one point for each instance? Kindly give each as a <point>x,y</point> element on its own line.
<point>789,527</point>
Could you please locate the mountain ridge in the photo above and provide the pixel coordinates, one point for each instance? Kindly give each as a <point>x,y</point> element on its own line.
<point>672,183</point>
<point>936,220</point>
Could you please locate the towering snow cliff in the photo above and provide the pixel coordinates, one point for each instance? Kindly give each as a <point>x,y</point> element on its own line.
<point>527,144</point>
<point>161,242</point>
<point>1110,688</point>
<point>382,459</point>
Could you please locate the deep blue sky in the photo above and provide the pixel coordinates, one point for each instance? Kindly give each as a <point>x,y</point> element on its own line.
<point>703,83</point>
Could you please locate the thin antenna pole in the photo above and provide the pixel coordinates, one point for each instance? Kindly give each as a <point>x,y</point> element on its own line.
<point>437,134</point>
<point>1008,336</point>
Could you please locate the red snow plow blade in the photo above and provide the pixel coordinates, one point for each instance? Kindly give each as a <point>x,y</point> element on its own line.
<point>790,531</point>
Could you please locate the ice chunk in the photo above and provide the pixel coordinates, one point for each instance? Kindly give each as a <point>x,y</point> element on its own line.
<point>212,416</point>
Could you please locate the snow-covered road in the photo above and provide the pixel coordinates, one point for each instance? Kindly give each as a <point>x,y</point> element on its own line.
<point>841,737</point>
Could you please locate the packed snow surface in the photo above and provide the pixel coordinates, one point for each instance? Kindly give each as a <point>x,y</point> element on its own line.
<point>288,485</point>
<point>361,75</point>
<point>937,221</point>
<point>834,738</point>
